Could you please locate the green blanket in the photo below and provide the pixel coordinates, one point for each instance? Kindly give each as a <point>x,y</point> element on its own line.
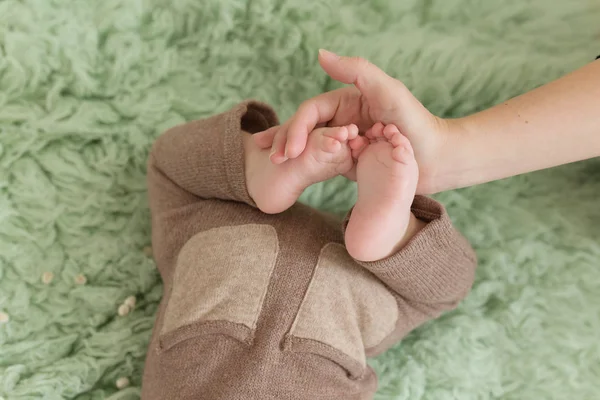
<point>85,87</point>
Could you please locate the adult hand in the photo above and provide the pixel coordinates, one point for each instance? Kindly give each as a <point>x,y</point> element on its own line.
<point>374,97</point>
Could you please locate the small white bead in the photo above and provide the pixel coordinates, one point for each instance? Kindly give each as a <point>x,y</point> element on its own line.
<point>47,277</point>
<point>80,279</point>
<point>130,301</point>
<point>4,318</point>
<point>148,251</point>
<point>123,310</point>
<point>122,382</point>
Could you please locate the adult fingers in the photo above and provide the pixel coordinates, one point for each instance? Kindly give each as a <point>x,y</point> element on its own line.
<point>277,149</point>
<point>310,114</point>
<point>369,79</point>
<point>264,139</point>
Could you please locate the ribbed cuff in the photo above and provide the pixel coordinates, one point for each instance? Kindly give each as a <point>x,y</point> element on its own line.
<point>436,265</point>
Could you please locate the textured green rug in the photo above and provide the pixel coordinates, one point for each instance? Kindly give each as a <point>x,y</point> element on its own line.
<point>85,86</point>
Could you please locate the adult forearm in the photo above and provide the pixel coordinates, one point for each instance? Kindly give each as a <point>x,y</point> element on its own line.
<point>555,124</point>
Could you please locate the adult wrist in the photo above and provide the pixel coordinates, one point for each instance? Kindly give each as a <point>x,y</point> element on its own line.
<point>456,157</point>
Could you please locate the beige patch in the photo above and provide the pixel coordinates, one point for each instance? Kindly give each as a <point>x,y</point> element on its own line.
<point>345,307</point>
<point>222,275</point>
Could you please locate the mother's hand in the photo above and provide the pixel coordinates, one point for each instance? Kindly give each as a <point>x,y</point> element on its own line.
<point>375,97</point>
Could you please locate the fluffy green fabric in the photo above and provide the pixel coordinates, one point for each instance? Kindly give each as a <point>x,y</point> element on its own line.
<point>85,87</point>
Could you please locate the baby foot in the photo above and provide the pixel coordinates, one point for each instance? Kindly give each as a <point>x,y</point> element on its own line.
<point>275,188</point>
<point>387,175</point>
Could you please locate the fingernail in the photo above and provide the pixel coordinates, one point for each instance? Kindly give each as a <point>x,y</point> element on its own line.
<point>273,151</point>
<point>327,54</point>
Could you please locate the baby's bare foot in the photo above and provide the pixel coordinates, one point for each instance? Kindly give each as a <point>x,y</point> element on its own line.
<point>275,188</point>
<point>381,222</point>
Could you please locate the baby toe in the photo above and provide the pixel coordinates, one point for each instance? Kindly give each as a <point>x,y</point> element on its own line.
<point>403,155</point>
<point>390,130</point>
<point>358,145</point>
<point>399,140</point>
<point>337,133</point>
<point>352,131</point>
<point>377,130</point>
<point>358,142</point>
<point>330,145</point>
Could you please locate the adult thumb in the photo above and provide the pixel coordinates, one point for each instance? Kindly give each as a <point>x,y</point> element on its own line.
<point>370,80</point>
